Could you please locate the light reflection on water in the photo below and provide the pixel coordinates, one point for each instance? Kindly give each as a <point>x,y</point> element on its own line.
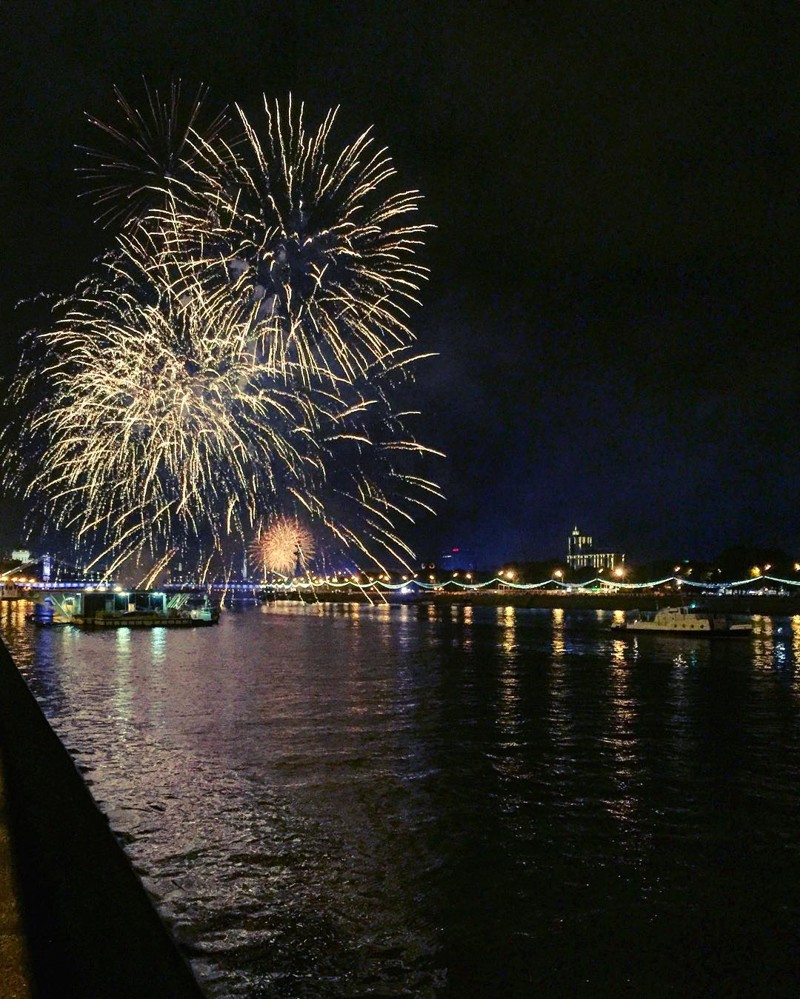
<point>353,800</point>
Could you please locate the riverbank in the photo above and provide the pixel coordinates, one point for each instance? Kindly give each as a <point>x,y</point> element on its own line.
<point>748,604</point>
<point>90,930</point>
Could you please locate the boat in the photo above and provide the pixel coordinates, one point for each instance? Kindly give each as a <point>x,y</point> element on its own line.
<point>107,608</point>
<point>690,620</point>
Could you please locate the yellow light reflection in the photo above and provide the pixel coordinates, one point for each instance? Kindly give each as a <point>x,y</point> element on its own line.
<point>158,646</point>
<point>621,738</point>
<point>508,699</point>
<point>559,645</point>
<point>123,688</point>
<point>763,642</point>
<point>507,620</point>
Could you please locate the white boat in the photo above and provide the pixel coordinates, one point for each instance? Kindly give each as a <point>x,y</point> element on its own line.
<point>684,621</point>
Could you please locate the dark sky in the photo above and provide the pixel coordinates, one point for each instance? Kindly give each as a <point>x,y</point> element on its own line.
<point>614,295</point>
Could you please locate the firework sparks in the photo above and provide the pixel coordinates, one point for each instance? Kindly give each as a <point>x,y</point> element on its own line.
<point>146,155</point>
<point>238,350</point>
<point>283,546</point>
<point>322,244</point>
<point>157,418</point>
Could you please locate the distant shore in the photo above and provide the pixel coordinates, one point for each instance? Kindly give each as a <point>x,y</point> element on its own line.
<point>745,603</point>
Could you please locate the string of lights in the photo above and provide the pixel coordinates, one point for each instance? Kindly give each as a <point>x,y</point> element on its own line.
<point>596,584</point>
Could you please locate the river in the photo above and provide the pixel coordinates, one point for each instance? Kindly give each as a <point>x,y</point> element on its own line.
<point>354,800</point>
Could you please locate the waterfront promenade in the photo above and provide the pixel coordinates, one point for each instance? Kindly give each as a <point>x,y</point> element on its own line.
<point>781,605</point>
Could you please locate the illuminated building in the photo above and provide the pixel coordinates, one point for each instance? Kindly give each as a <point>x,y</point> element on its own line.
<point>581,553</point>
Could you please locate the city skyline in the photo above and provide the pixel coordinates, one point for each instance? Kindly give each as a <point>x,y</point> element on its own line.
<point>579,560</point>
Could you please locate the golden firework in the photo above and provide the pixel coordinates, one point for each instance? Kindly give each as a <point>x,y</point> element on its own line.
<point>284,546</point>
<point>241,348</point>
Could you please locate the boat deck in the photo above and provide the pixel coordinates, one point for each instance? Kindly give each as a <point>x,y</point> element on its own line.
<point>140,621</point>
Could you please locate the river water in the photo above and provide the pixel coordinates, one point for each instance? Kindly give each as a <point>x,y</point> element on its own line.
<point>348,800</point>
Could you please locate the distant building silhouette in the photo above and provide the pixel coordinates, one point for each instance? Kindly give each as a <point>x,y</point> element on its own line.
<point>582,553</point>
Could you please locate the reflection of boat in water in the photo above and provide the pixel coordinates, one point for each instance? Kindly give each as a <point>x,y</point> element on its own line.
<point>684,621</point>
<point>129,609</point>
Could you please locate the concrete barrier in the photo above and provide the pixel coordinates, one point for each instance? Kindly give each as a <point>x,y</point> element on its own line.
<point>92,931</point>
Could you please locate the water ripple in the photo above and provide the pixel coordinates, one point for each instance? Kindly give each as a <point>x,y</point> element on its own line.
<point>399,801</point>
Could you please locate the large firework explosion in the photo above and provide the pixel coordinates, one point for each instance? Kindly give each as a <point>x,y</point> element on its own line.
<point>239,348</point>
<point>156,419</point>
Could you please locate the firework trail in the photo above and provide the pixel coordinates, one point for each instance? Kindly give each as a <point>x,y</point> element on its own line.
<point>239,349</point>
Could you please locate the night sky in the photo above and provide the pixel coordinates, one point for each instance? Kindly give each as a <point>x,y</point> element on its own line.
<point>614,291</point>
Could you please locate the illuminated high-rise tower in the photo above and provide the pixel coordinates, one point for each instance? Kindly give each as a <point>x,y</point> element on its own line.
<point>581,553</point>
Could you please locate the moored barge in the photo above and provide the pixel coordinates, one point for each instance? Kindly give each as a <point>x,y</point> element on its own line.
<point>106,608</point>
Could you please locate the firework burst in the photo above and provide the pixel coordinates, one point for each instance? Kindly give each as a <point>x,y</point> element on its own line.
<point>157,419</point>
<point>321,243</point>
<point>239,350</point>
<point>145,156</point>
<point>283,546</point>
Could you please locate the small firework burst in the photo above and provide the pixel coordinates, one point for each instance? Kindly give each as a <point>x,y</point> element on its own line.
<point>283,546</point>
<point>143,158</point>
